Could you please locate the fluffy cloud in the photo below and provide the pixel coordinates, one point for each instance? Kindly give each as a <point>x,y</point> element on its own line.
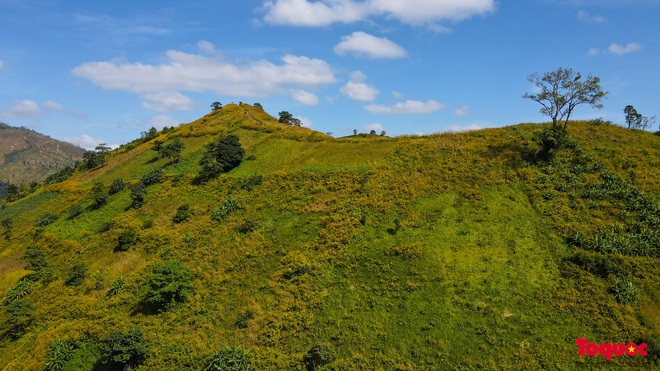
<point>588,18</point>
<point>362,44</point>
<point>304,97</point>
<point>462,111</point>
<point>624,49</point>
<point>617,49</point>
<point>85,141</point>
<point>358,90</point>
<point>22,109</point>
<point>416,12</point>
<point>406,108</point>
<point>160,86</point>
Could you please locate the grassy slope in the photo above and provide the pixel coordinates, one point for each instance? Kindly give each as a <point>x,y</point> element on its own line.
<point>445,251</point>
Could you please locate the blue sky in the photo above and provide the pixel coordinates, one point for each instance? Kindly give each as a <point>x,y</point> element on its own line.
<point>91,72</point>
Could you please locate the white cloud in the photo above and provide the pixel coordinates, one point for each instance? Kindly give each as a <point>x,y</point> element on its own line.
<point>360,44</point>
<point>462,111</point>
<point>588,18</point>
<point>375,126</point>
<point>85,141</point>
<point>406,108</point>
<point>206,46</point>
<point>160,86</point>
<point>616,49</point>
<point>458,128</point>
<point>22,109</point>
<point>357,90</point>
<point>624,49</point>
<point>161,121</point>
<point>306,122</point>
<point>53,105</point>
<point>2,65</point>
<point>326,12</point>
<point>397,95</point>
<point>304,97</point>
<point>167,102</point>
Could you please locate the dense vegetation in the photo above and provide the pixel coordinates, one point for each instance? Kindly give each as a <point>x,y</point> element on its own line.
<point>492,249</point>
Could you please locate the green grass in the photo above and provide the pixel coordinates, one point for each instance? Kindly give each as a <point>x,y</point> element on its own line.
<point>442,252</point>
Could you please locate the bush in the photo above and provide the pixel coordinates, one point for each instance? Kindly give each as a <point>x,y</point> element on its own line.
<point>74,211</point>
<point>19,291</point>
<point>168,284</point>
<point>225,209</point>
<point>19,317</point>
<point>221,156</point>
<point>123,350</point>
<point>232,358</point>
<point>317,356</point>
<point>46,219</point>
<point>76,275</point>
<point>152,177</point>
<point>116,186</point>
<point>182,214</point>
<point>126,240</point>
<point>35,258</point>
<point>115,286</point>
<point>247,227</point>
<point>59,353</point>
<point>138,193</point>
<point>99,195</point>
<point>625,291</point>
<point>243,318</point>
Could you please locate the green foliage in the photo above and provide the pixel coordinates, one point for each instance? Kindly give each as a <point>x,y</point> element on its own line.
<point>121,350</point>
<point>59,353</point>
<point>227,207</point>
<point>99,195</point>
<point>92,159</point>
<point>173,150</point>
<point>138,193</point>
<point>152,177</point>
<point>76,275</point>
<point>216,106</point>
<point>7,226</point>
<point>168,284</point>
<point>317,356</point>
<point>243,318</point>
<point>222,155</point>
<point>60,176</point>
<point>46,219</point>
<point>247,227</point>
<point>19,291</point>
<point>182,214</point>
<point>625,291</point>
<point>146,136</point>
<point>115,286</point>
<point>35,258</point>
<point>19,317</point>
<point>127,239</point>
<point>116,186</point>
<point>74,211</point>
<point>229,359</point>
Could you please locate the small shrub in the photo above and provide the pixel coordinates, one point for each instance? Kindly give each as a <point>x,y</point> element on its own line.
<point>106,226</point>
<point>182,214</point>
<point>74,211</point>
<point>59,353</point>
<point>247,227</point>
<point>35,258</point>
<point>243,318</point>
<point>168,284</point>
<point>126,240</point>
<point>19,291</point>
<point>99,196</point>
<point>77,275</point>
<point>227,207</point>
<point>19,317</point>
<point>406,252</point>
<point>625,291</point>
<point>152,177</point>
<point>115,286</point>
<point>46,219</point>
<point>231,358</point>
<point>122,350</point>
<point>116,186</point>
<point>317,356</point>
<point>252,182</point>
<point>138,193</point>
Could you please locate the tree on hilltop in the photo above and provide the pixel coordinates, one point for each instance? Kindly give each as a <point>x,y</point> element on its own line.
<point>216,106</point>
<point>287,118</point>
<point>562,90</point>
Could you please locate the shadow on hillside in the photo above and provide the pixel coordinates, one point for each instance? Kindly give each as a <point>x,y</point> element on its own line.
<point>152,161</point>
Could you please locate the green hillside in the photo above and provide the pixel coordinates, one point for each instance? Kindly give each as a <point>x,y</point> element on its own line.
<point>449,251</point>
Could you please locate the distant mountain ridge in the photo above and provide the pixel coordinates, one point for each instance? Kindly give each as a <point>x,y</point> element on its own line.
<point>27,156</point>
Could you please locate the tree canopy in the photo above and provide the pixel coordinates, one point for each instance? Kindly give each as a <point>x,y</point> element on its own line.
<point>221,156</point>
<point>560,91</point>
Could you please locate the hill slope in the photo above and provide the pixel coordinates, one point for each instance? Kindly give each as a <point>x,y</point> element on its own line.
<point>452,251</point>
<point>27,156</point>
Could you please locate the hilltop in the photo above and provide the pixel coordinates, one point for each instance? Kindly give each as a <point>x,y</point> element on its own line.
<point>448,251</point>
<point>27,156</point>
